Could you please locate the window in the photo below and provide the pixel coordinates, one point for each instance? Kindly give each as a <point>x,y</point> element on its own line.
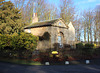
<point>59,23</point>
<point>29,30</point>
<point>59,40</point>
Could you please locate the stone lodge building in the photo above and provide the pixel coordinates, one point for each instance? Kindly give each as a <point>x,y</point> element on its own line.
<point>53,34</point>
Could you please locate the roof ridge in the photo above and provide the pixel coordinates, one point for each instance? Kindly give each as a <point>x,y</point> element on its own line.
<point>43,23</point>
<point>46,21</point>
<point>51,20</point>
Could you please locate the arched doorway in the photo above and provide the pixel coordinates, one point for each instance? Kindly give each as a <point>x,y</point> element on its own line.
<point>60,39</point>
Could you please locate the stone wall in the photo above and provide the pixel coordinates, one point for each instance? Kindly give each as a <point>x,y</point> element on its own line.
<point>39,31</point>
<point>44,44</point>
<point>68,35</point>
<point>55,31</point>
<point>71,33</point>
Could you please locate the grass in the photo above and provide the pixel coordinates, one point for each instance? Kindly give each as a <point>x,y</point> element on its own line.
<point>18,61</point>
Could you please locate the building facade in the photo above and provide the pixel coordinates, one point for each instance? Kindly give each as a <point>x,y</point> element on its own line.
<point>53,34</point>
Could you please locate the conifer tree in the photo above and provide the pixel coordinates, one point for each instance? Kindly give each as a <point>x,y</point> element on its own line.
<point>10,18</point>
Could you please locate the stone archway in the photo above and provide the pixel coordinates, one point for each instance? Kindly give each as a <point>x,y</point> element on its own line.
<point>60,39</point>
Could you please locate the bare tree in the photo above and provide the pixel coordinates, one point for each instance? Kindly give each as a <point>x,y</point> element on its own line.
<point>87,22</point>
<point>79,27</point>
<point>97,24</point>
<point>44,10</point>
<point>67,10</point>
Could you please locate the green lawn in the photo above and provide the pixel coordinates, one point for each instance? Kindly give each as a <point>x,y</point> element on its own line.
<point>17,61</point>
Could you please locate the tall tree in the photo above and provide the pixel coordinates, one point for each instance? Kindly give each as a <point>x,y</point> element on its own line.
<point>44,10</point>
<point>10,18</point>
<point>78,27</point>
<point>67,10</point>
<point>87,22</point>
<point>48,13</point>
<point>97,24</point>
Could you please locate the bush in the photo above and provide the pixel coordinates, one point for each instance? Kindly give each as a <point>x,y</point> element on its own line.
<point>67,46</point>
<point>79,45</point>
<point>24,43</point>
<point>5,41</point>
<point>5,45</point>
<point>95,45</point>
<point>97,51</point>
<point>89,45</point>
<point>88,49</point>
<point>85,50</point>
<point>21,45</point>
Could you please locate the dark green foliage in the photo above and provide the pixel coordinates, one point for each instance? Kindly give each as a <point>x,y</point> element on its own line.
<point>89,45</point>
<point>97,51</point>
<point>25,41</point>
<point>79,45</point>
<point>5,41</point>
<point>10,18</point>
<point>67,46</point>
<point>5,45</point>
<point>17,45</point>
<point>88,49</point>
<point>85,49</point>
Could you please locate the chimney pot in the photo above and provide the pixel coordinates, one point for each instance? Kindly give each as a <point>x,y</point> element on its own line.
<point>35,18</point>
<point>36,14</point>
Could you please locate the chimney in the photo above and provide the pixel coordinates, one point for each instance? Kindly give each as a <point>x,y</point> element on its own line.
<point>34,18</point>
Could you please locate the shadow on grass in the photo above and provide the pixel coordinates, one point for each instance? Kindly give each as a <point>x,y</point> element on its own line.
<point>19,61</point>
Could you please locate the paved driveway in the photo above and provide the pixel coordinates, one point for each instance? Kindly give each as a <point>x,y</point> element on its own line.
<point>13,68</point>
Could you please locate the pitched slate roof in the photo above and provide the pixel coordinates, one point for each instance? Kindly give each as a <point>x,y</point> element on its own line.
<point>43,23</point>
